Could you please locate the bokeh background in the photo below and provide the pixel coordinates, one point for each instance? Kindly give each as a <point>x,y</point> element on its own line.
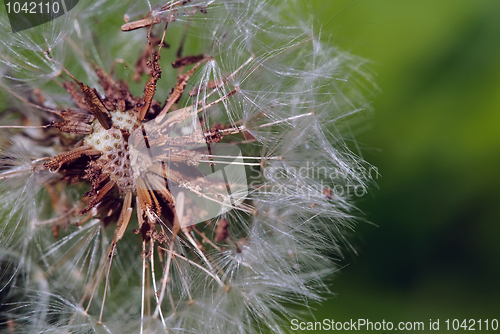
<point>432,250</point>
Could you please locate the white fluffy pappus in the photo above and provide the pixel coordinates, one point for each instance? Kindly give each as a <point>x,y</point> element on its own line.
<point>255,85</point>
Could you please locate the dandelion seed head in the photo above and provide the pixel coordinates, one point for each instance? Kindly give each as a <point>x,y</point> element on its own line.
<point>205,201</point>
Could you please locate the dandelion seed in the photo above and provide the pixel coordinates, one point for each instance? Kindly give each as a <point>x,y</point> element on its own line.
<point>207,208</point>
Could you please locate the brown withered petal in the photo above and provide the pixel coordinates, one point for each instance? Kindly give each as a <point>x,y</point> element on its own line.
<point>74,127</point>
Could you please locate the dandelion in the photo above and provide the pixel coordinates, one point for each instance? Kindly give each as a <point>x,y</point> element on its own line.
<point>202,204</point>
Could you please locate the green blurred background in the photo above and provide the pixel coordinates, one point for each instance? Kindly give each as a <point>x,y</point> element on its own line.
<point>435,138</point>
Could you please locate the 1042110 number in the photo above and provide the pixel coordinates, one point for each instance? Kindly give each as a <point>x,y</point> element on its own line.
<point>32,7</point>
<point>472,324</point>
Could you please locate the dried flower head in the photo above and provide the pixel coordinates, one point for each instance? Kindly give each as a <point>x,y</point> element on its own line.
<point>207,203</point>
